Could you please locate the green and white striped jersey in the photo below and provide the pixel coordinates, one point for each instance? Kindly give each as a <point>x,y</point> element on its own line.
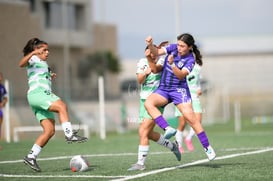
<point>193,80</point>
<point>152,80</point>
<point>38,74</point>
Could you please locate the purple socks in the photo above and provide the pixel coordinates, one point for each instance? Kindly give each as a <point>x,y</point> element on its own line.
<point>203,139</point>
<point>161,122</point>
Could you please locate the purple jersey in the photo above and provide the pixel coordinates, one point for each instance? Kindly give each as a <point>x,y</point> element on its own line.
<point>3,92</point>
<point>168,80</point>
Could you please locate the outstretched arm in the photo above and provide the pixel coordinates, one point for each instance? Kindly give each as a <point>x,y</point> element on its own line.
<point>156,51</point>
<point>24,61</point>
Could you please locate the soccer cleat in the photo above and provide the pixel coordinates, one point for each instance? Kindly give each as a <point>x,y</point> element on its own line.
<point>136,167</point>
<point>189,144</point>
<point>32,163</point>
<point>210,153</point>
<point>75,138</point>
<point>176,151</point>
<point>169,132</point>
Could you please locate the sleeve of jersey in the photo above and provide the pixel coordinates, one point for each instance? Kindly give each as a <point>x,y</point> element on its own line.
<point>5,93</point>
<point>33,59</point>
<point>161,60</point>
<point>140,67</point>
<point>170,48</point>
<point>189,64</point>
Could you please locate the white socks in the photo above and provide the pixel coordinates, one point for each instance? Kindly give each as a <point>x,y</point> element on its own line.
<point>179,137</point>
<point>191,134</point>
<point>142,154</point>
<point>67,128</point>
<point>34,152</point>
<point>164,142</point>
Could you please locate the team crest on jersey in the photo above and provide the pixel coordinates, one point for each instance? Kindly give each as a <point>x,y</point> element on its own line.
<point>180,64</point>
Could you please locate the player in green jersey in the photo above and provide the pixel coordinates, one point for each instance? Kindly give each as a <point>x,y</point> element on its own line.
<point>42,100</point>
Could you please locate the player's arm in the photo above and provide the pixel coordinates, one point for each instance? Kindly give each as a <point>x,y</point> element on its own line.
<point>24,61</point>
<point>4,101</point>
<point>141,77</point>
<point>155,68</point>
<point>156,64</point>
<point>156,51</point>
<point>180,74</point>
<point>199,88</point>
<point>199,92</point>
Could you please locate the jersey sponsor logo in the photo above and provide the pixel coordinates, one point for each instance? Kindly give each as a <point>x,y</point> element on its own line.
<point>191,78</point>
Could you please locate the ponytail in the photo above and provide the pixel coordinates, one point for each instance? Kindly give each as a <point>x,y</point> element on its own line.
<point>198,56</point>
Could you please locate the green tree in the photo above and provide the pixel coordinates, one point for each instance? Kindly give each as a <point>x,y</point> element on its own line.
<point>101,62</point>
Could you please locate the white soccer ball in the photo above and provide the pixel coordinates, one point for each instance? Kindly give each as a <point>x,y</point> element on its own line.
<point>78,163</point>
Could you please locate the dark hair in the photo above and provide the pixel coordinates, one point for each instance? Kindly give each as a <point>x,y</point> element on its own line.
<point>32,44</point>
<point>189,40</point>
<point>147,47</point>
<point>162,44</point>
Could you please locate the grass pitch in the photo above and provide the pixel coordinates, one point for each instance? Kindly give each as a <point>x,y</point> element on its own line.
<point>244,156</point>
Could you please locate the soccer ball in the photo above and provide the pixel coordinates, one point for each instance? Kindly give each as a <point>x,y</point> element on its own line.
<point>78,163</point>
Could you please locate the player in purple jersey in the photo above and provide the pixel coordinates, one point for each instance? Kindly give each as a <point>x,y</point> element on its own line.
<point>173,85</point>
<point>148,75</point>
<point>3,100</point>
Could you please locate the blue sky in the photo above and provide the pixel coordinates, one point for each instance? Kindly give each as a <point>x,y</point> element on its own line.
<point>135,19</point>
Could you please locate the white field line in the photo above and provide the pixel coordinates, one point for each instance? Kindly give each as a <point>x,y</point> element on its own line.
<point>126,177</point>
<point>191,164</point>
<point>59,176</point>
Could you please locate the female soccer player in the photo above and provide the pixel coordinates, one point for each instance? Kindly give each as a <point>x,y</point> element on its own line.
<point>173,86</point>
<point>148,75</point>
<point>42,100</point>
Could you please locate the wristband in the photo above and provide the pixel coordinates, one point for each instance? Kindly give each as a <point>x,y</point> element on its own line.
<point>172,65</point>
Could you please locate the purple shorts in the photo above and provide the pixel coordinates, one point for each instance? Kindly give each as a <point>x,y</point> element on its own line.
<point>178,96</point>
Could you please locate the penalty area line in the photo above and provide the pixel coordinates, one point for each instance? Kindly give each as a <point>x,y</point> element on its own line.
<point>191,164</point>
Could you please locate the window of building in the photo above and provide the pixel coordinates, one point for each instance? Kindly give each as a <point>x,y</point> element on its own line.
<point>54,15</point>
